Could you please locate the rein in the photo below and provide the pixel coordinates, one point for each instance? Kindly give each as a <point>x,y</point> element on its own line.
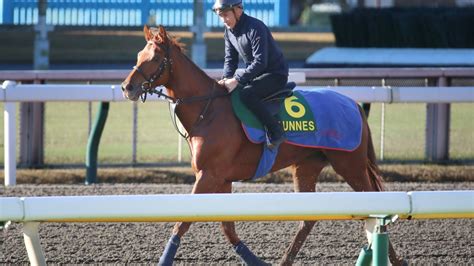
<point>147,88</point>
<point>176,101</point>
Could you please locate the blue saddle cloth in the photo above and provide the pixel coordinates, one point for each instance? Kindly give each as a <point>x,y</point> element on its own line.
<point>319,118</point>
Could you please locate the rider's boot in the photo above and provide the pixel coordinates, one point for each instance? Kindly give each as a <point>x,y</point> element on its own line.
<point>276,135</point>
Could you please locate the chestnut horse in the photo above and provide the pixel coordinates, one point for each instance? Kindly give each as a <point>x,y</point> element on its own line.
<point>220,150</point>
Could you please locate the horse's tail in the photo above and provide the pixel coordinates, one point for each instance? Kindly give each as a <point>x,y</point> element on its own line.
<point>372,167</point>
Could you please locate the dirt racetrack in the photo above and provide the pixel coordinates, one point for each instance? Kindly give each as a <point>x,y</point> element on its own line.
<point>331,242</point>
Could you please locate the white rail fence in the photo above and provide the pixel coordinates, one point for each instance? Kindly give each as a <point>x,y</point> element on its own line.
<point>13,93</point>
<point>437,115</point>
<point>229,207</point>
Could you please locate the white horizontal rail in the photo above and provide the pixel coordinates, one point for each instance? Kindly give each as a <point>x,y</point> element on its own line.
<point>91,75</point>
<point>13,92</point>
<point>408,94</point>
<point>427,204</point>
<point>311,73</point>
<point>238,207</point>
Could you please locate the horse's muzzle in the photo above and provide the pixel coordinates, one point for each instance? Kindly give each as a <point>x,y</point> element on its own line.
<point>126,86</point>
<point>128,91</point>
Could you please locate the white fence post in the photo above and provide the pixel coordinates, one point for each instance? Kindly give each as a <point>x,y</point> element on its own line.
<point>9,141</point>
<point>32,243</point>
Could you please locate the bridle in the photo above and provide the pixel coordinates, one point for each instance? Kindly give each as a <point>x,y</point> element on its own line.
<point>148,88</point>
<point>147,85</point>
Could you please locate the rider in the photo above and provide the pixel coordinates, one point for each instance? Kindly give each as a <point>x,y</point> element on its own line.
<point>266,68</point>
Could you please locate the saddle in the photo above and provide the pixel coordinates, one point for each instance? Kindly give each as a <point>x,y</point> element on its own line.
<point>273,102</point>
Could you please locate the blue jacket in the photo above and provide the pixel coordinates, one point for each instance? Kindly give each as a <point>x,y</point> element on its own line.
<point>253,41</point>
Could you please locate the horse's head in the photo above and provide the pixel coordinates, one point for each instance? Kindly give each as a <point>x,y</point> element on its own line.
<point>153,65</point>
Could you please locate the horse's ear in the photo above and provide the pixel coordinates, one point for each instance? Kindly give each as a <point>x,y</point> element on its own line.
<point>163,34</point>
<point>148,33</point>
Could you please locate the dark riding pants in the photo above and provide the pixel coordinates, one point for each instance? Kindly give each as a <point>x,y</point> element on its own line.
<point>259,88</point>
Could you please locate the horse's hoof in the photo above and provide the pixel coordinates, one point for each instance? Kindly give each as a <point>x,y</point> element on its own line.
<point>400,262</point>
<point>247,256</point>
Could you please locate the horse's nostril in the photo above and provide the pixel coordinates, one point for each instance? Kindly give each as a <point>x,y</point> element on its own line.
<point>126,86</point>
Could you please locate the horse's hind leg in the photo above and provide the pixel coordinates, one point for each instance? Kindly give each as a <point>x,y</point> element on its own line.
<point>304,180</point>
<point>245,254</point>
<point>357,168</point>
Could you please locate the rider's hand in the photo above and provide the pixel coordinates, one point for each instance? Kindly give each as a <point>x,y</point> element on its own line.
<point>222,81</point>
<point>231,84</point>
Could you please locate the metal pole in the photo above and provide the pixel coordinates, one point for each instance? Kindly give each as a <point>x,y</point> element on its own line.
<point>382,128</point>
<point>365,257</point>
<point>437,128</point>
<point>89,114</point>
<point>93,143</point>
<point>199,46</point>
<point>41,52</point>
<point>35,119</point>
<point>380,245</point>
<point>32,114</point>
<point>134,132</point>
<point>89,117</point>
<point>180,148</point>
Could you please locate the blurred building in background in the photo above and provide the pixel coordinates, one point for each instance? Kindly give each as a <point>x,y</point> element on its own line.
<point>316,13</point>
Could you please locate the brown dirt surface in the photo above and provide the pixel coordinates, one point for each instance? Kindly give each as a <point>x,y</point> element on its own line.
<point>184,175</point>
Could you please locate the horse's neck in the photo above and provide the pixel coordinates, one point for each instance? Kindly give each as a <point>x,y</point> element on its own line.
<point>188,80</point>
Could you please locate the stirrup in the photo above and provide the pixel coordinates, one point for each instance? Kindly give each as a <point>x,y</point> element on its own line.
<point>273,145</point>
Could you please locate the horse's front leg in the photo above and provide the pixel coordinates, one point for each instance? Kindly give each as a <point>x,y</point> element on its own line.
<point>180,228</point>
<point>245,254</point>
<point>205,183</point>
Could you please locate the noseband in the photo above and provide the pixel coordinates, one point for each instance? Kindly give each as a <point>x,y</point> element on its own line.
<point>147,85</point>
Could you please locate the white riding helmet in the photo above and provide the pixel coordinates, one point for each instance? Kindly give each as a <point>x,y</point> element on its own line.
<point>224,5</point>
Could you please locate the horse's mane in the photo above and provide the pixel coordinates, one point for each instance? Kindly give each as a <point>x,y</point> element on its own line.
<point>174,40</point>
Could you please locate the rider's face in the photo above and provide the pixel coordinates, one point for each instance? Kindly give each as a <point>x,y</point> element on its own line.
<point>228,18</point>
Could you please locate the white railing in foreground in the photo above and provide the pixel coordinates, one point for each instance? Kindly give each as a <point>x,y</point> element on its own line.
<point>238,207</point>
<point>229,207</point>
<point>12,93</point>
